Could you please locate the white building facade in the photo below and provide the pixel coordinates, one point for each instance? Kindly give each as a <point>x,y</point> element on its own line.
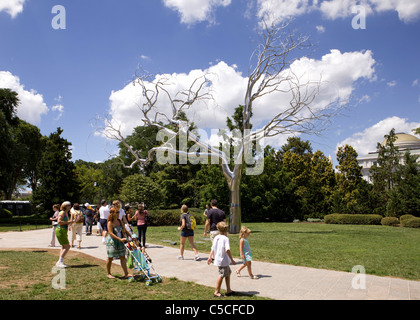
<point>404,142</point>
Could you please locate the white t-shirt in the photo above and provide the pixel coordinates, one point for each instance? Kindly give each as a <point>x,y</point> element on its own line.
<point>104,212</point>
<point>220,246</point>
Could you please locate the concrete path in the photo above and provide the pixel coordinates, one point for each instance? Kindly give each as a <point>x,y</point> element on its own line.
<point>276,281</point>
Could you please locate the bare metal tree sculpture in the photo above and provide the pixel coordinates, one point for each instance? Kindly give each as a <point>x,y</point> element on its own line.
<point>269,73</point>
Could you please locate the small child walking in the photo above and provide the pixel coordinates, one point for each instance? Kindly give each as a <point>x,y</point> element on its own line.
<point>222,259</point>
<point>245,250</point>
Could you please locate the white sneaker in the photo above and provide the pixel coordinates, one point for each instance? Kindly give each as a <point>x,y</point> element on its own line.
<point>61,265</point>
<point>197,258</point>
<point>180,257</point>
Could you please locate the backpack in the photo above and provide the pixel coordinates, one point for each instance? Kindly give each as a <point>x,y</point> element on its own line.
<point>79,217</point>
<point>190,222</point>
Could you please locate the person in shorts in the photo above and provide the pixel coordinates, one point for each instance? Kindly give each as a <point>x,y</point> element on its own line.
<point>103,215</point>
<point>222,258</point>
<point>186,234</point>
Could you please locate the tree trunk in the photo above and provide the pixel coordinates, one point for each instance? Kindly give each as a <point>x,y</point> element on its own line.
<point>235,200</point>
<point>235,208</point>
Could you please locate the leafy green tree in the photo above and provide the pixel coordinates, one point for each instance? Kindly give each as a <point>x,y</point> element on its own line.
<point>20,147</point>
<point>58,179</point>
<point>271,195</point>
<point>296,157</point>
<point>138,188</point>
<point>9,101</point>
<point>90,177</point>
<point>321,186</point>
<point>352,192</point>
<point>404,198</point>
<point>211,184</point>
<point>384,174</point>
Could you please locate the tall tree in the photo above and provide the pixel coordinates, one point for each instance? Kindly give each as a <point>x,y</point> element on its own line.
<point>405,197</point>
<point>352,192</point>
<point>58,179</point>
<point>9,102</point>
<point>20,147</point>
<point>384,173</point>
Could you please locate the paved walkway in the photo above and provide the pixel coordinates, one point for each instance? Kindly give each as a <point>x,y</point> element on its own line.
<point>277,281</point>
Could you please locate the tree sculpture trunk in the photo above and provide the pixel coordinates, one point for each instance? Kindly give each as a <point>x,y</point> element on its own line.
<point>235,206</point>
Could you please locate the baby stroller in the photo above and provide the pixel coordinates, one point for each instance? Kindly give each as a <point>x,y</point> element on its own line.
<point>143,268</point>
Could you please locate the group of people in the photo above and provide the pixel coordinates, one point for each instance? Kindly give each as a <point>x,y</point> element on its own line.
<point>220,253</point>
<point>115,224</point>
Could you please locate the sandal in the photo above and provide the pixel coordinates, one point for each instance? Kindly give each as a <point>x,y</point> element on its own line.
<point>238,274</point>
<point>219,295</point>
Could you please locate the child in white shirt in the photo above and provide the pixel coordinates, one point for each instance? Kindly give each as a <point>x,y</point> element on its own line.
<point>222,259</point>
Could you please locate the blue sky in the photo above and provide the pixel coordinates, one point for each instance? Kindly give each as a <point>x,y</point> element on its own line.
<point>68,78</point>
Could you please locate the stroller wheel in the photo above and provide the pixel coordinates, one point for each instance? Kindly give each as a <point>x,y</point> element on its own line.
<point>159,279</point>
<point>148,283</point>
<point>131,279</point>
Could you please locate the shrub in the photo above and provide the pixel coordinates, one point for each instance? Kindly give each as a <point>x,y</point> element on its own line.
<point>405,217</point>
<point>362,219</point>
<point>172,217</point>
<point>408,222</point>
<point>390,221</point>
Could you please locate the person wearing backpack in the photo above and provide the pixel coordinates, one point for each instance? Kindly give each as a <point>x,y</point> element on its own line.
<point>76,228</point>
<point>187,228</point>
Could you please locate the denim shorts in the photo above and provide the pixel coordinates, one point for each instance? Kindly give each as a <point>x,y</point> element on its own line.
<point>187,233</point>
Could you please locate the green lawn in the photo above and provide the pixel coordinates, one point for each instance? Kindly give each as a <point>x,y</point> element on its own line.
<point>27,275</point>
<point>383,251</point>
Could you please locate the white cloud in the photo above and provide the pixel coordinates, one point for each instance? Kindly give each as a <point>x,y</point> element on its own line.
<point>12,7</point>
<point>415,83</point>
<point>365,98</point>
<point>193,11</point>
<point>227,89</point>
<point>282,10</point>
<point>334,9</point>
<point>392,83</point>
<point>366,140</point>
<point>58,108</point>
<point>339,72</point>
<point>32,105</point>
<point>408,10</point>
<point>320,29</point>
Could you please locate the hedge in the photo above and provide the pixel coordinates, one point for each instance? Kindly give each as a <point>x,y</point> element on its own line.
<point>172,217</point>
<point>405,217</point>
<point>410,222</point>
<point>390,221</point>
<point>362,219</point>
